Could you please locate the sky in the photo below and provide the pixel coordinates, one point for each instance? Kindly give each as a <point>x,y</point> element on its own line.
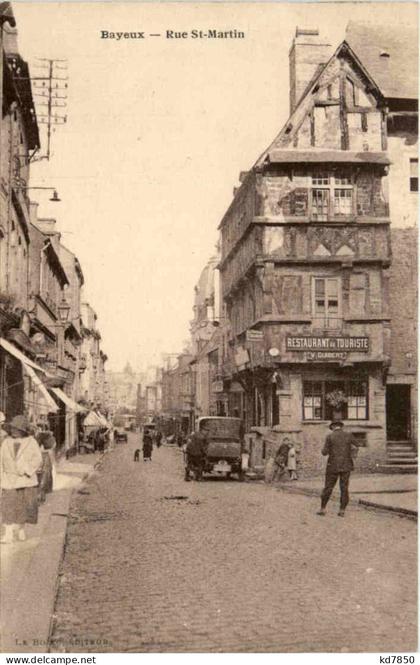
<point>158,131</point>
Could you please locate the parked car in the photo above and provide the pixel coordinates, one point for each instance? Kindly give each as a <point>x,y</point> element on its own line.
<point>226,445</point>
<point>120,433</point>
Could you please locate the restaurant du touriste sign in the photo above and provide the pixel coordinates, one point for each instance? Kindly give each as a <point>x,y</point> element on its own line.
<point>317,343</point>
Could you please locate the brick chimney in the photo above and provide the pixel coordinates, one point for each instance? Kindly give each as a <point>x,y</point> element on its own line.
<point>308,52</point>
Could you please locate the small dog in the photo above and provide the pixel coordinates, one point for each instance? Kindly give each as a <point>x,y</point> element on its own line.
<point>137,455</point>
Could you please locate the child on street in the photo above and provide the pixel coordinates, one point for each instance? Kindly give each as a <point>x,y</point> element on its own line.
<point>291,461</point>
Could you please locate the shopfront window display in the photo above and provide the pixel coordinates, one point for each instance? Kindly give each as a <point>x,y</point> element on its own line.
<point>323,400</point>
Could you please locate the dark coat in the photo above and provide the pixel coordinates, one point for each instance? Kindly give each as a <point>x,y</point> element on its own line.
<point>197,445</point>
<point>147,444</point>
<point>339,447</point>
<point>282,455</point>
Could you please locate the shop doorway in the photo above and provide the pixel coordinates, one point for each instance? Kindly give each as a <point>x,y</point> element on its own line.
<point>398,409</point>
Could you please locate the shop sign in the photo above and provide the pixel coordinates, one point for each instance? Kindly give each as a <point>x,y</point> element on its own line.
<point>254,335</point>
<point>326,355</point>
<point>217,387</point>
<point>327,344</point>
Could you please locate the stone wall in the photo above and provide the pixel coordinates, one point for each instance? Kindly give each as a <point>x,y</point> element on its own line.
<point>309,436</point>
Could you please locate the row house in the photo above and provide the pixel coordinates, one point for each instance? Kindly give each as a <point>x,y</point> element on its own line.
<point>19,138</point>
<point>395,70</point>
<point>92,380</point>
<point>178,390</point>
<point>40,279</point>
<point>206,340</point>
<point>305,261</point>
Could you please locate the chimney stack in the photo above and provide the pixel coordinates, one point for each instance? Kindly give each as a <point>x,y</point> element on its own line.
<point>308,52</point>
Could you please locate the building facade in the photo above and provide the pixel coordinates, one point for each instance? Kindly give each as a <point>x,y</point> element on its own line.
<point>305,265</point>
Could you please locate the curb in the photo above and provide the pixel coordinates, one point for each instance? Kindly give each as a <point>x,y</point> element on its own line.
<point>61,552</point>
<point>29,628</point>
<point>403,512</point>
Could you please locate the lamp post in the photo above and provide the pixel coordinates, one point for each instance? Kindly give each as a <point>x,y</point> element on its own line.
<point>63,310</point>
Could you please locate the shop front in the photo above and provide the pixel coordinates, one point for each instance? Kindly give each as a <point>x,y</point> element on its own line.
<point>309,380</point>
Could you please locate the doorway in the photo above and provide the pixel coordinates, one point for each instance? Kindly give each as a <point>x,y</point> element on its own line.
<point>398,408</point>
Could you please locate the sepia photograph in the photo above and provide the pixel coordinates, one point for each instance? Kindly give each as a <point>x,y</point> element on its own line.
<point>208,329</point>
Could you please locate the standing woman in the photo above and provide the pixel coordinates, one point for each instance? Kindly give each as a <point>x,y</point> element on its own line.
<point>20,459</point>
<point>46,474</point>
<point>147,445</point>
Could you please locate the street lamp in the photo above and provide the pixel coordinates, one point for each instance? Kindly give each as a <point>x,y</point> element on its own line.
<point>55,198</point>
<point>63,310</point>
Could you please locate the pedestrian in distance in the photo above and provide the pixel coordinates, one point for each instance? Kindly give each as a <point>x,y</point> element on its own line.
<point>291,461</point>
<point>47,445</point>
<point>147,446</point>
<point>341,448</point>
<point>20,459</point>
<point>137,455</point>
<point>158,439</point>
<point>280,460</point>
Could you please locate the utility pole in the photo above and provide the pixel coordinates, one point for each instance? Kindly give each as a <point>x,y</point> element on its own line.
<point>50,93</point>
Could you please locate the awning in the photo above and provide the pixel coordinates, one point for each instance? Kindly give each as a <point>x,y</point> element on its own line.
<point>10,348</point>
<point>49,405</point>
<point>94,419</point>
<point>68,401</point>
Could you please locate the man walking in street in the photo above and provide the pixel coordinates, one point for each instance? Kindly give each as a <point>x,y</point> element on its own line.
<point>340,447</point>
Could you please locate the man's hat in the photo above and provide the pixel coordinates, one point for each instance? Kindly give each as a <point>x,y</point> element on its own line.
<point>336,423</point>
<point>21,423</point>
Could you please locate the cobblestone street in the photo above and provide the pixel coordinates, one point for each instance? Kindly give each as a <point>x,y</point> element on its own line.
<point>230,567</point>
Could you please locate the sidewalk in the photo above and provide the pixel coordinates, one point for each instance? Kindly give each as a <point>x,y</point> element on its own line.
<point>397,493</point>
<point>29,570</point>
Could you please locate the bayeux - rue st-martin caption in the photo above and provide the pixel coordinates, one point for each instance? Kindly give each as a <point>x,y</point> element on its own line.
<point>174,34</point>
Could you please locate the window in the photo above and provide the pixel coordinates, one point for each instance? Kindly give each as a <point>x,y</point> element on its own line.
<point>414,175</point>
<point>332,196</point>
<point>326,305</point>
<point>316,405</point>
<point>312,400</point>
<point>342,202</point>
<point>356,400</point>
<point>321,179</point>
<point>320,204</point>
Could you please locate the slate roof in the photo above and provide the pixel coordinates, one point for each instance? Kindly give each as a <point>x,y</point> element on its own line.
<point>396,75</point>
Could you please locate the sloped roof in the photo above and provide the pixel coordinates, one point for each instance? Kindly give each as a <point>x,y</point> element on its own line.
<point>299,112</point>
<point>326,156</point>
<point>396,75</point>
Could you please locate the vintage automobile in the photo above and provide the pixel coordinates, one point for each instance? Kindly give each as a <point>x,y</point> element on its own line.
<point>226,445</point>
<point>120,432</point>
